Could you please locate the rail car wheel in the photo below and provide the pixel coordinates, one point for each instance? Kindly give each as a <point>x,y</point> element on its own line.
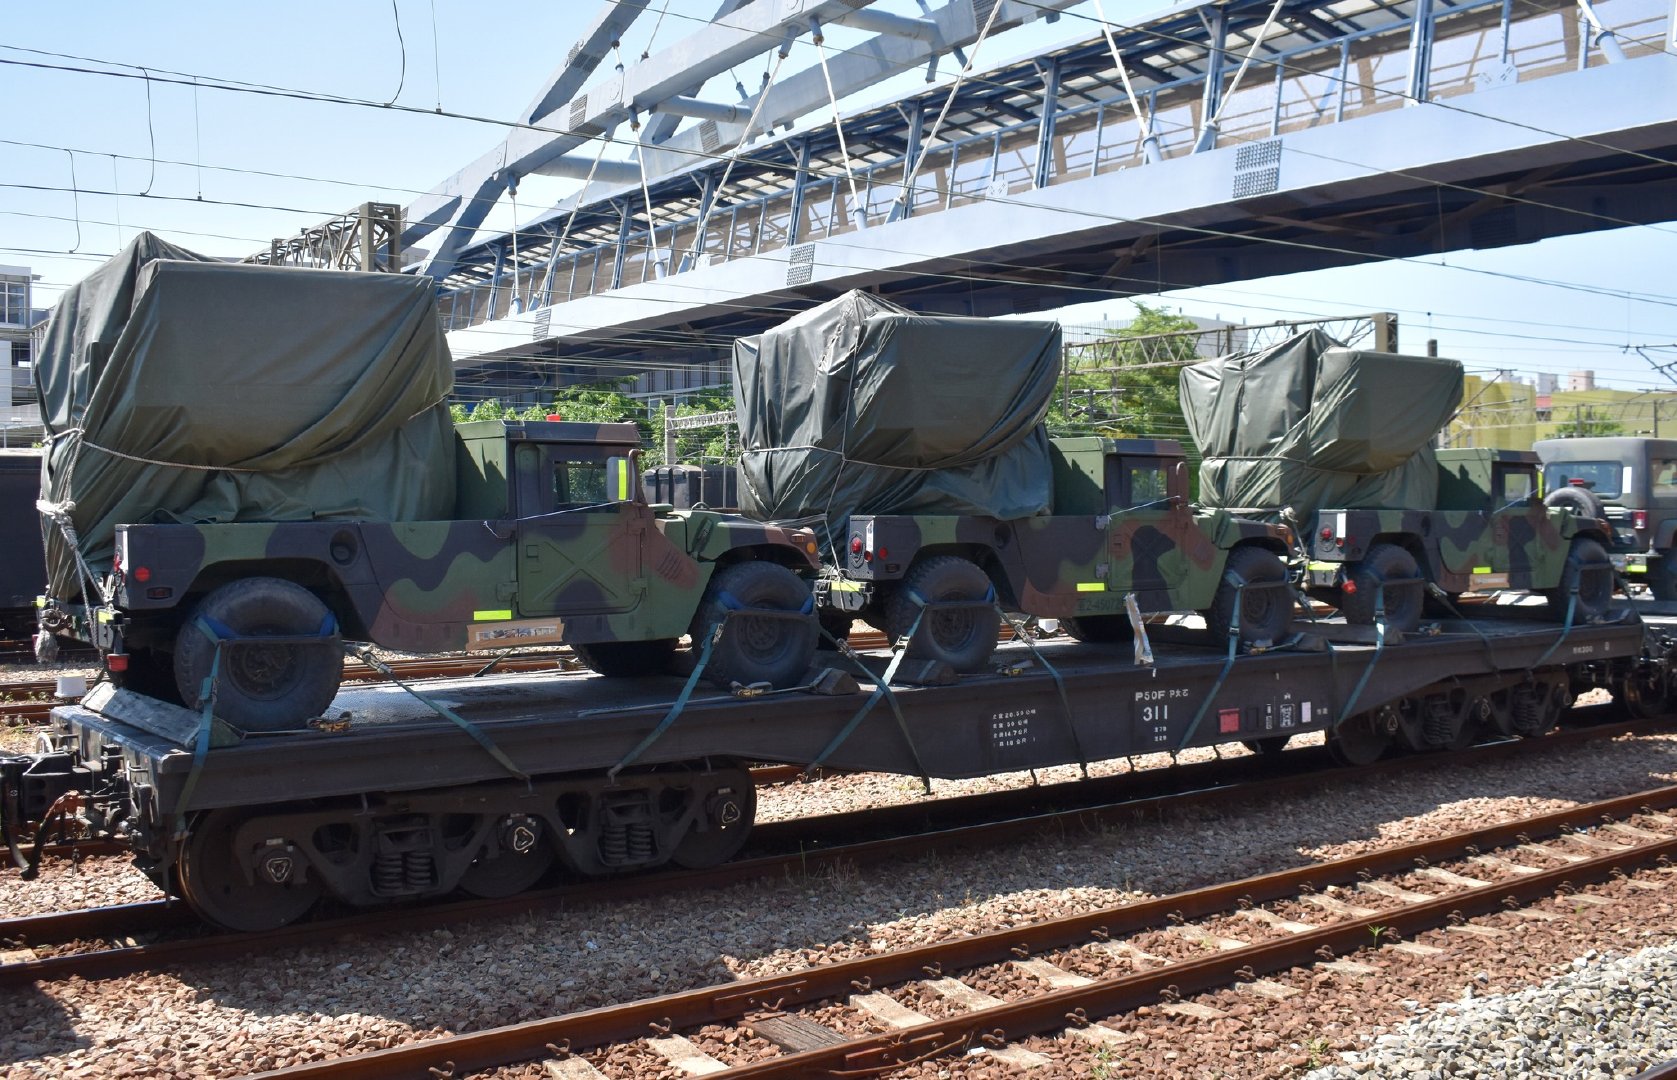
<point>519,860</point>
<point>1268,748</point>
<point>772,649</point>
<point>727,810</point>
<point>1266,604</point>
<point>1643,695</point>
<point>213,881</point>
<point>962,637</point>
<point>626,659</point>
<point>1361,739</point>
<point>1590,571</point>
<point>1098,627</point>
<point>1379,569</point>
<point>261,687</point>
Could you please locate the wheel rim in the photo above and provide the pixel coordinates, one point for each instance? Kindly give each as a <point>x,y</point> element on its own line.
<point>214,884</point>
<point>262,671</point>
<point>952,630</point>
<point>508,872</point>
<point>728,810</point>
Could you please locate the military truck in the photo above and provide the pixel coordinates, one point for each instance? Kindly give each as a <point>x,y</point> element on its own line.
<point>1309,432</point>
<point>1120,525</point>
<point>1630,482</point>
<point>550,543</point>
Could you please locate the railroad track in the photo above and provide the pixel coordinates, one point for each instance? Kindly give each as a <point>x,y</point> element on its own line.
<point>859,1017</point>
<point>105,942</point>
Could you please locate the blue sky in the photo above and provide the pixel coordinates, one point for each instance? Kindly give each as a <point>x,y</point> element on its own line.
<point>488,57</point>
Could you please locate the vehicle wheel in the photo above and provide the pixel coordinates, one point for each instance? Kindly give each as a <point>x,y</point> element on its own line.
<point>1581,501</point>
<point>215,885</point>
<point>1662,575</point>
<point>752,648</point>
<point>1265,613</point>
<point>836,623</point>
<point>1385,563</point>
<point>1590,571</point>
<point>728,810</point>
<point>1098,627</point>
<point>262,687</point>
<point>1268,748</point>
<point>1360,740</point>
<point>626,659</point>
<point>508,870</point>
<point>962,637</point>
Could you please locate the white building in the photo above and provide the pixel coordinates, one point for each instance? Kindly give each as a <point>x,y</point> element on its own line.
<point>20,412</point>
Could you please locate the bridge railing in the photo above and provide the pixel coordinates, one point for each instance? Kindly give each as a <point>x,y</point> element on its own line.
<point>1475,46</point>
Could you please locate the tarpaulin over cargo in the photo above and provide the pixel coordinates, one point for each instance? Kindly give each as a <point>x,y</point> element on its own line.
<point>1313,425</point>
<point>859,406</point>
<point>176,388</point>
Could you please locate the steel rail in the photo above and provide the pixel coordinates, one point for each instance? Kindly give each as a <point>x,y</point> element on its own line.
<point>483,1050</point>
<point>1206,784</point>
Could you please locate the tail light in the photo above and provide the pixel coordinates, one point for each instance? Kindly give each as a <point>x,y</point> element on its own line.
<point>1639,519</point>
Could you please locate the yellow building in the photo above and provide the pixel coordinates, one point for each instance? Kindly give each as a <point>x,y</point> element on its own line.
<point>1507,415</point>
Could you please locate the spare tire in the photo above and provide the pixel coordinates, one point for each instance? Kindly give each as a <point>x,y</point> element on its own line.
<point>1580,500</point>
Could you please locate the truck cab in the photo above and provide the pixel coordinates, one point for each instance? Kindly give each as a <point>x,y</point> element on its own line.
<point>1631,482</point>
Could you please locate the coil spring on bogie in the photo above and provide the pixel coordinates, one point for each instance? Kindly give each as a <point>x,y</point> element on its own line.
<point>1440,725</point>
<point>419,869</point>
<point>387,872</point>
<point>614,843</point>
<point>641,845</point>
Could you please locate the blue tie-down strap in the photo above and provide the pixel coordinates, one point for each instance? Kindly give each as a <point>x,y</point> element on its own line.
<point>882,689</point>
<point>218,635</point>
<point>478,735</point>
<point>1021,634</point>
<point>681,699</point>
<point>1239,584</point>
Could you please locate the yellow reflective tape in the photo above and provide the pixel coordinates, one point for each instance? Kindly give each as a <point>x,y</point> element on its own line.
<point>491,616</point>
<point>41,602</point>
<point>1091,586</point>
<point>105,616</point>
<point>1322,566</point>
<point>622,480</point>
<point>1636,568</point>
<point>844,586</point>
<point>1481,569</point>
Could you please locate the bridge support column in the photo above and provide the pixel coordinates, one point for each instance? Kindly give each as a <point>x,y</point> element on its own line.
<point>1420,54</point>
<point>1217,30</point>
<point>1045,124</point>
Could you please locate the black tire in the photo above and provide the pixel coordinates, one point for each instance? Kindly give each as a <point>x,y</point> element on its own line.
<point>627,659</point>
<point>1590,571</point>
<point>1098,627</point>
<point>777,651</point>
<point>262,688</point>
<point>1383,564</point>
<point>1662,575</point>
<point>964,638</point>
<point>1265,613</point>
<point>1581,501</point>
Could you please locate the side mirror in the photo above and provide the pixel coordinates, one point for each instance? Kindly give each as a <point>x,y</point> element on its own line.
<point>620,477</point>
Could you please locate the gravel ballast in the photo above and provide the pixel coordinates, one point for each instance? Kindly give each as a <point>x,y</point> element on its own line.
<point>1607,1017</point>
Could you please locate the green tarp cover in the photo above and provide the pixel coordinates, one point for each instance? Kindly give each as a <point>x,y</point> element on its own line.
<point>860,406</point>
<point>1312,425</point>
<point>175,388</point>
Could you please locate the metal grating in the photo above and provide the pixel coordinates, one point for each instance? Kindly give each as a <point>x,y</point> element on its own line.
<point>1258,155</point>
<point>1257,168</point>
<point>579,111</point>
<point>800,264</point>
<point>544,322</point>
<point>1256,182</point>
<point>570,57</point>
<point>709,136</point>
<point>981,11</point>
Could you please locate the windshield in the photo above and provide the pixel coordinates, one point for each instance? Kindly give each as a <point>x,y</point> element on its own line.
<point>1601,477</point>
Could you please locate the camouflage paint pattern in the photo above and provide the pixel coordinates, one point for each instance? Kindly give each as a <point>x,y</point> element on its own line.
<point>1461,550</point>
<point>595,572</point>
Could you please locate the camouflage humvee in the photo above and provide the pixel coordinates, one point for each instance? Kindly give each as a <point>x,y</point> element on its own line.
<point>1488,530</point>
<point>552,543</point>
<point>1121,525</point>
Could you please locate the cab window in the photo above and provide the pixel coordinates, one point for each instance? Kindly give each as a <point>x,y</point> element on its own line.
<point>1147,483</point>
<point>1665,477</point>
<point>1517,485</point>
<point>1601,477</point>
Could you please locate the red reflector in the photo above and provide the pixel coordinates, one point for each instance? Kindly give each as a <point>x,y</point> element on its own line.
<point>1639,519</point>
<point>1228,721</point>
<point>883,554</point>
<point>1340,542</point>
<point>116,662</point>
<point>1350,586</point>
<point>1575,482</point>
<point>554,416</point>
<point>855,544</point>
<point>1327,533</point>
<point>142,573</point>
<point>867,556</point>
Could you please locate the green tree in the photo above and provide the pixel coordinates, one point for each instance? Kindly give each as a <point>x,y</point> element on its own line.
<point>1126,386</point>
<point>1585,423</point>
